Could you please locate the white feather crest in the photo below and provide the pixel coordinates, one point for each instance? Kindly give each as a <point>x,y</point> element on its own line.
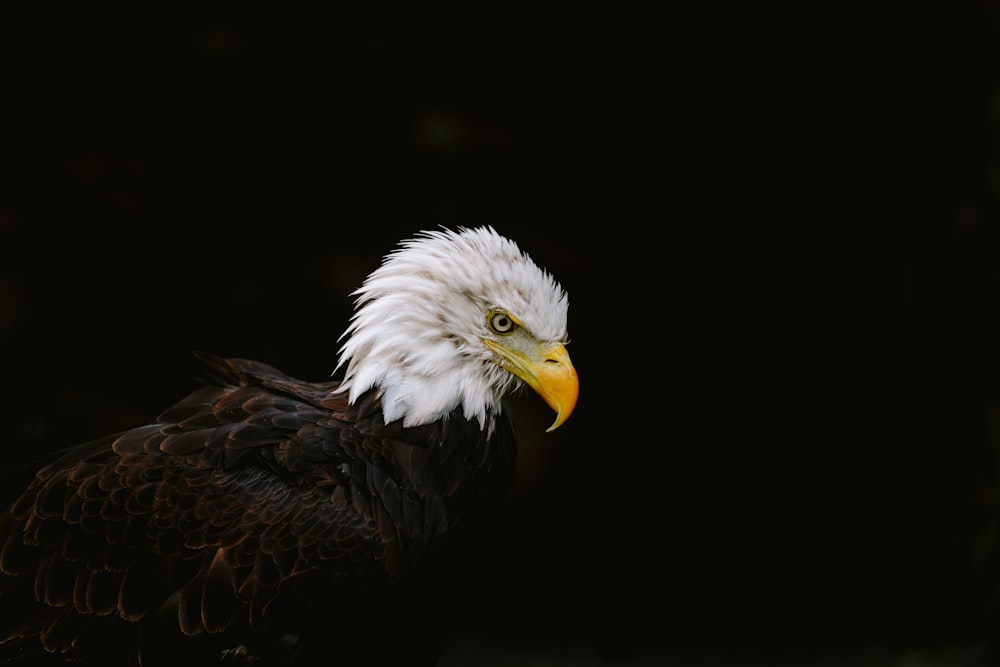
<point>420,318</point>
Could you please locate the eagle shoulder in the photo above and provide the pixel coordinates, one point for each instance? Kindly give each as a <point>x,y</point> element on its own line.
<point>246,492</point>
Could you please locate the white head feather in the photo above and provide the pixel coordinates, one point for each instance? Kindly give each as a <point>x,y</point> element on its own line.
<point>420,319</point>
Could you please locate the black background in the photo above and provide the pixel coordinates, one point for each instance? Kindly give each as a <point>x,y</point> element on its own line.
<point>778,234</point>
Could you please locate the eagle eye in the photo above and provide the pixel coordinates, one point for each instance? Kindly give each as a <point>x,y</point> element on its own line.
<point>500,322</point>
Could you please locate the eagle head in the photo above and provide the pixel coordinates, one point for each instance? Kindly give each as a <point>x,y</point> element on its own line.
<point>458,319</point>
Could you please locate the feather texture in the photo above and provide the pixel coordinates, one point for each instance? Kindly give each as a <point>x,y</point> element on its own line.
<point>240,494</point>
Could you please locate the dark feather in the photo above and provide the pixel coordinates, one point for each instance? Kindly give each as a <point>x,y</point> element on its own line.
<point>257,517</point>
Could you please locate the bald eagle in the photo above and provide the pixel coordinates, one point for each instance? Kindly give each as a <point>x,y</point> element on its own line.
<point>266,520</point>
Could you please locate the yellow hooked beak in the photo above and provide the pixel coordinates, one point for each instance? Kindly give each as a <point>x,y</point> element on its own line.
<point>547,370</point>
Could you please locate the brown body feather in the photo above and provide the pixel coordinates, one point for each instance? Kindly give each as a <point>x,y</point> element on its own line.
<point>254,512</point>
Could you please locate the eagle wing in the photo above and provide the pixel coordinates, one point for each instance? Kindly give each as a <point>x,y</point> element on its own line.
<point>245,489</point>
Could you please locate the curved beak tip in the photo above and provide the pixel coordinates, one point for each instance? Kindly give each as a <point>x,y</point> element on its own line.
<point>549,372</point>
<point>560,387</point>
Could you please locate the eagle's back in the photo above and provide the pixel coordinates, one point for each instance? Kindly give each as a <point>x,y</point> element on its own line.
<point>255,511</point>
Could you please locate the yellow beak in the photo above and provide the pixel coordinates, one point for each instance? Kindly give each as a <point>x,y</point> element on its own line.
<point>549,372</point>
